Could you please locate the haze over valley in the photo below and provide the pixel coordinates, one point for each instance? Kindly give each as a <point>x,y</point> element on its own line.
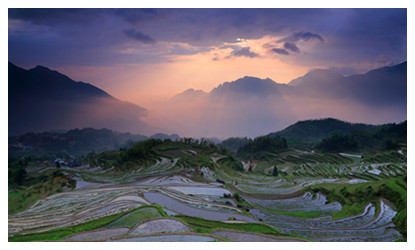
<point>248,106</point>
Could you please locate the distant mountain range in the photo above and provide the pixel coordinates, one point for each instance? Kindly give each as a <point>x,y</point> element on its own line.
<point>385,86</point>
<point>44,100</point>
<point>251,106</point>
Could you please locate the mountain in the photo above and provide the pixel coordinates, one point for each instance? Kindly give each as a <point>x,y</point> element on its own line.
<point>41,99</point>
<point>75,142</point>
<point>386,86</point>
<point>248,106</point>
<point>317,76</point>
<point>251,106</point>
<point>44,100</point>
<point>190,94</point>
<point>247,87</point>
<point>318,83</point>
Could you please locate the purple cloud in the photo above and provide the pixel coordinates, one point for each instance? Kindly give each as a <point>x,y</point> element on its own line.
<point>280,51</point>
<point>245,51</point>
<point>305,36</point>
<point>292,47</point>
<point>139,36</point>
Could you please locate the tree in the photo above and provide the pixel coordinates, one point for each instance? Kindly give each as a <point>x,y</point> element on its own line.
<point>275,171</point>
<point>390,144</point>
<point>237,197</point>
<point>17,175</point>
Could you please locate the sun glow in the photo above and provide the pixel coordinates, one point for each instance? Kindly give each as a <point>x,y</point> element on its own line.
<point>194,67</point>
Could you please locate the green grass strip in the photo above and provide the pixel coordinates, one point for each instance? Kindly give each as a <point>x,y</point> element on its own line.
<point>206,226</point>
<point>143,213</point>
<point>300,214</point>
<point>60,233</point>
<point>349,210</point>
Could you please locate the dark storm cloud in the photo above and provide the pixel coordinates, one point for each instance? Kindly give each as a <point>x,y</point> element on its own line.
<point>305,36</point>
<point>139,36</point>
<point>280,51</point>
<point>245,51</point>
<point>291,46</point>
<point>349,35</point>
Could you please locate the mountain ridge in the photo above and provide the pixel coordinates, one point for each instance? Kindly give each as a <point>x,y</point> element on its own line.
<point>248,106</point>
<point>321,78</point>
<point>41,99</point>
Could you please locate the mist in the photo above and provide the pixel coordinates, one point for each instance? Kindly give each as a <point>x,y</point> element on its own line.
<point>251,106</point>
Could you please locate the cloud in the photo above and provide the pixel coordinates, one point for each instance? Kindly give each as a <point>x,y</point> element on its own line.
<point>139,36</point>
<point>88,36</point>
<point>305,36</point>
<point>288,47</point>
<point>280,51</point>
<point>245,51</point>
<point>291,46</point>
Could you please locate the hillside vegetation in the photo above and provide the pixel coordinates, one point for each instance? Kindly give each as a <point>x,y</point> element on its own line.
<point>259,147</point>
<point>387,137</point>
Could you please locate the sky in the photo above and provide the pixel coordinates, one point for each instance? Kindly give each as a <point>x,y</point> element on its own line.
<point>146,56</point>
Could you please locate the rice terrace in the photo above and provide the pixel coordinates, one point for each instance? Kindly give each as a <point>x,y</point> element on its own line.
<point>188,190</point>
<point>207,125</point>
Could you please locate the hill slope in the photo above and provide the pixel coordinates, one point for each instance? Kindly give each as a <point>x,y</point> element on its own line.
<point>43,100</point>
<point>387,137</point>
<point>320,129</point>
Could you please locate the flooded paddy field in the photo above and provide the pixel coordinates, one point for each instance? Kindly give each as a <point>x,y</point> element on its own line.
<point>314,198</point>
<point>362,226</point>
<point>177,206</point>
